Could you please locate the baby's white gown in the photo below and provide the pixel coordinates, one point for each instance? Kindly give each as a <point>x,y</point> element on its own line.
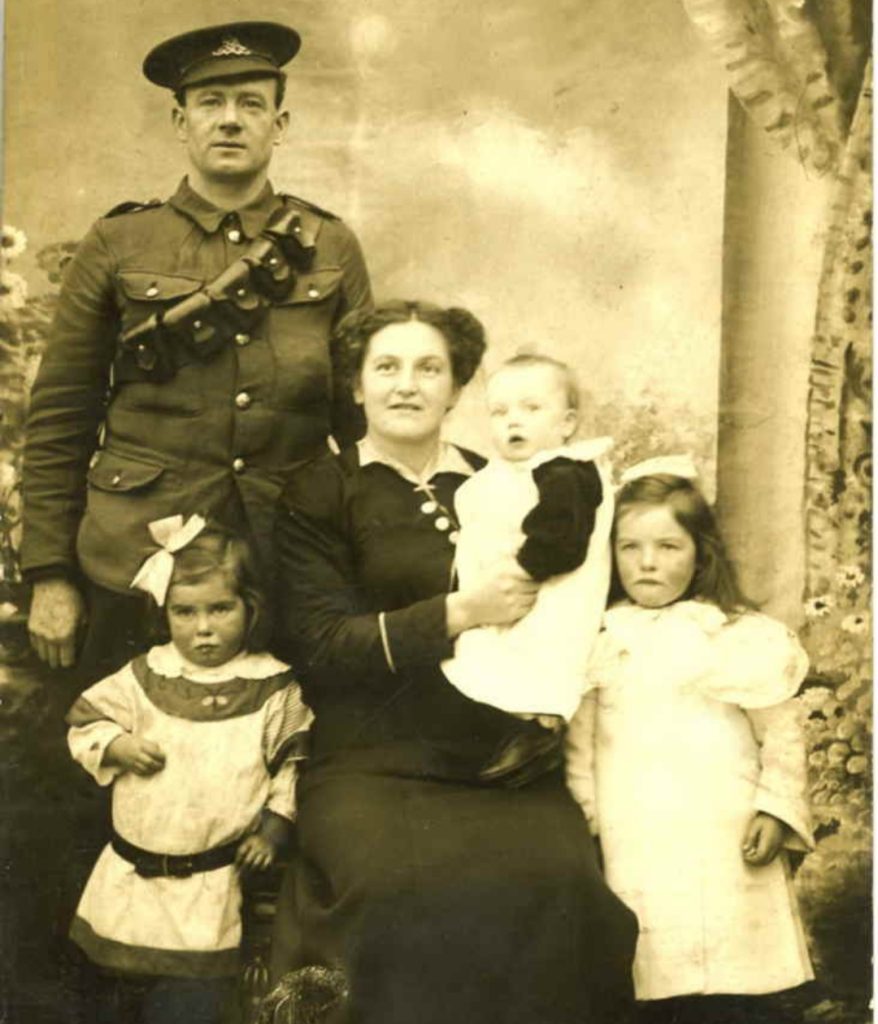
<point>538,665</point>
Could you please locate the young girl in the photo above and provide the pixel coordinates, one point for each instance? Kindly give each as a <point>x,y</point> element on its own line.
<point>198,738</point>
<point>546,502</point>
<point>689,760</point>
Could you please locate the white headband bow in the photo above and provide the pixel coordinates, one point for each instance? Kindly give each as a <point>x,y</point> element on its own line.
<point>171,534</point>
<point>674,465</point>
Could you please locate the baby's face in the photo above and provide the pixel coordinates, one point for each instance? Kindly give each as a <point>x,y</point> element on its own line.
<point>529,411</point>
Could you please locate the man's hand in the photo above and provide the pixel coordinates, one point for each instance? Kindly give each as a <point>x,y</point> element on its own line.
<point>763,839</point>
<point>134,754</point>
<point>56,613</point>
<point>255,852</point>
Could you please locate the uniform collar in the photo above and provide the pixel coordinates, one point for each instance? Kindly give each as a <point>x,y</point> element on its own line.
<point>208,217</point>
<point>448,459</point>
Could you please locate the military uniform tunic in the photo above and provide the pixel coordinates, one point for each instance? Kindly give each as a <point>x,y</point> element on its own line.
<point>217,436</point>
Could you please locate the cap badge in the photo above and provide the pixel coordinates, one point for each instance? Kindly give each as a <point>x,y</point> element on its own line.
<point>231,47</point>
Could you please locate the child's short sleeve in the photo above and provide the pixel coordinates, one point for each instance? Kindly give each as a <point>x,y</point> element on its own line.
<point>757,662</point>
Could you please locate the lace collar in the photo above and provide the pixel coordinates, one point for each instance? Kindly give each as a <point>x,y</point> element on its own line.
<point>167,661</point>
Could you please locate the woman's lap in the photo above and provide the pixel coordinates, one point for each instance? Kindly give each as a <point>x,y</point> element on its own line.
<point>454,902</point>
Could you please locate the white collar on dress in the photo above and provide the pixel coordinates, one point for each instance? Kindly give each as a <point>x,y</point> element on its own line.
<point>166,660</point>
<point>626,614</point>
<point>448,459</point>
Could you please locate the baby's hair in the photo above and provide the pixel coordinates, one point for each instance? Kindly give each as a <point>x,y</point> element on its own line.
<point>217,549</point>
<point>565,374</point>
<point>715,578</point>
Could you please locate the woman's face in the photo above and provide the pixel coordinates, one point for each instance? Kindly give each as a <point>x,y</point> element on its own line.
<point>406,385</point>
<point>655,555</point>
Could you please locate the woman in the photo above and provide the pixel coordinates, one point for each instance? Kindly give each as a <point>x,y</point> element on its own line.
<point>443,866</point>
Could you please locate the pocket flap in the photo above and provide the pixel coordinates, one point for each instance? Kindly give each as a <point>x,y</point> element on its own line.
<point>112,472</point>
<point>148,286</point>
<point>315,286</point>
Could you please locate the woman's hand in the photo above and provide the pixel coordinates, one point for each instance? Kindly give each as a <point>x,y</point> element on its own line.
<point>135,754</point>
<point>501,600</point>
<point>255,852</point>
<point>762,840</point>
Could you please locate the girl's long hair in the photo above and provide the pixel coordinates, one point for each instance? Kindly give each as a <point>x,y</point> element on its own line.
<point>715,578</point>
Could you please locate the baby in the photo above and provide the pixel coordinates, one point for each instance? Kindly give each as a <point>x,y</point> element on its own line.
<point>547,502</point>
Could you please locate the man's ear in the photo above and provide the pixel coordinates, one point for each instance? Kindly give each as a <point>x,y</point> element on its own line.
<point>282,124</point>
<point>178,120</point>
<point>571,422</point>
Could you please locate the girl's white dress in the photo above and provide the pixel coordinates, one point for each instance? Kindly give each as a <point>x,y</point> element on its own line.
<point>690,732</point>
<point>230,736</point>
<point>538,664</point>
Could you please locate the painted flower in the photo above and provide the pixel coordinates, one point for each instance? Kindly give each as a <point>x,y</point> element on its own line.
<point>8,480</point>
<point>819,607</point>
<point>856,623</point>
<point>13,290</point>
<point>849,576</point>
<point>12,242</point>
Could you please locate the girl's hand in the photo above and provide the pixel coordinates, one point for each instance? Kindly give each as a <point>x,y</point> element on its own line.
<point>255,852</point>
<point>762,840</point>
<point>501,600</point>
<point>134,753</point>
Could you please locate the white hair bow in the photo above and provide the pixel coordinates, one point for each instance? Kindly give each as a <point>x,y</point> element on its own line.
<point>674,465</point>
<point>171,534</point>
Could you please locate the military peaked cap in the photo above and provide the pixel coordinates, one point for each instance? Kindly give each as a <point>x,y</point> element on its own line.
<point>221,51</point>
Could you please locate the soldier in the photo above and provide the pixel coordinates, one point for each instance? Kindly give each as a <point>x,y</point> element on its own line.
<point>189,362</point>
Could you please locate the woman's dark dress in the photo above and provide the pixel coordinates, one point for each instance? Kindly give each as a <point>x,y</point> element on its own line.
<point>445,902</point>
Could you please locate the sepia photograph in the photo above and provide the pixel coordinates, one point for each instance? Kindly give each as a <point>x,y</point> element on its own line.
<point>436,512</point>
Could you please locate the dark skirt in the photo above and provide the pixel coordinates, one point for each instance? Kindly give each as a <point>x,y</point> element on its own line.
<point>448,903</point>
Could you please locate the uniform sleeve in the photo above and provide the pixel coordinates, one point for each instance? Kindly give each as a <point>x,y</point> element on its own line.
<point>99,715</point>
<point>580,759</point>
<point>328,632</point>
<point>783,780</point>
<point>348,423</point>
<point>558,529</point>
<point>66,409</point>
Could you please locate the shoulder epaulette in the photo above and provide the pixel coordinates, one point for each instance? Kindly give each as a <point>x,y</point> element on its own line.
<point>132,207</point>
<point>310,206</point>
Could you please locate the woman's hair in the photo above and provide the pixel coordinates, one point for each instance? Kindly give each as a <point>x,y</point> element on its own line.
<point>715,578</point>
<point>463,333</point>
<point>218,550</point>
<point>566,376</point>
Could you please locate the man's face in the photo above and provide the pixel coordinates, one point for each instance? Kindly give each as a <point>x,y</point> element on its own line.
<point>230,127</point>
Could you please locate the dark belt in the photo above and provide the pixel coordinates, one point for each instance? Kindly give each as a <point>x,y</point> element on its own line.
<point>148,864</point>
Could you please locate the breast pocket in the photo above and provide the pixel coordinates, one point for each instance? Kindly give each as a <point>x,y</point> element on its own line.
<point>144,292</point>
<point>144,295</point>
<point>300,329</point>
